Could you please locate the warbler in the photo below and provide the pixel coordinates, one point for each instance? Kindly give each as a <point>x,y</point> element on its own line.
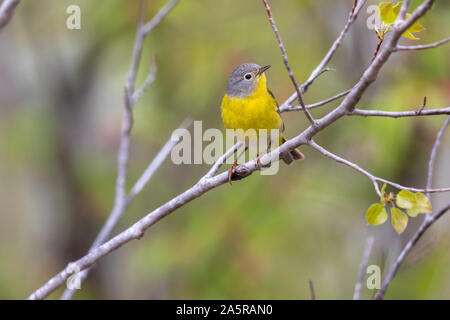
<point>248,104</point>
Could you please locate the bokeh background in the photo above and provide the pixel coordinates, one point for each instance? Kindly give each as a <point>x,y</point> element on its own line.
<point>61,103</point>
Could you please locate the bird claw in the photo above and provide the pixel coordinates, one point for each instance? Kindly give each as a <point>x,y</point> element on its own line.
<point>230,172</point>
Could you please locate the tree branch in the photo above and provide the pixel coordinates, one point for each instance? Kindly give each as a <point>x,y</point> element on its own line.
<point>7,8</point>
<point>121,200</point>
<point>357,6</point>
<point>373,178</point>
<point>427,222</point>
<point>434,152</point>
<point>422,46</point>
<point>398,114</point>
<point>288,108</point>
<point>363,267</point>
<point>136,231</point>
<point>286,63</point>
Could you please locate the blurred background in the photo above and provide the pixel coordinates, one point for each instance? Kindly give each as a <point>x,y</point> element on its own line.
<point>61,104</point>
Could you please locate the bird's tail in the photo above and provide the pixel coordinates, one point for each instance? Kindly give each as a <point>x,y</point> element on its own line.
<point>292,155</point>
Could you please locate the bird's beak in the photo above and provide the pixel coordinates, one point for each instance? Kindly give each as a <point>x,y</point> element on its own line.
<point>262,69</point>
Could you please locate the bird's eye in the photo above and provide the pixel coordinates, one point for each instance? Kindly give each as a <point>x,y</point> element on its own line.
<point>248,76</point>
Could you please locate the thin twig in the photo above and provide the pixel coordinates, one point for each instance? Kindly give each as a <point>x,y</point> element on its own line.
<point>311,289</point>
<point>409,245</point>
<point>373,178</point>
<point>363,267</point>
<point>357,6</point>
<point>137,230</point>
<point>7,8</point>
<point>148,81</point>
<point>427,222</point>
<point>222,160</point>
<point>121,200</point>
<point>156,20</point>
<point>422,46</point>
<point>424,104</point>
<point>398,114</point>
<point>288,108</point>
<point>403,11</point>
<point>434,152</point>
<point>286,63</point>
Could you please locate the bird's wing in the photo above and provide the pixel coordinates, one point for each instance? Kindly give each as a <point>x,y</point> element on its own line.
<point>278,109</point>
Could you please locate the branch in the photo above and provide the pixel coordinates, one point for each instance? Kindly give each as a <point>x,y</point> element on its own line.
<point>286,63</point>
<point>400,114</point>
<point>363,267</point>
<point>427,222</point>
<point>357,6</point>
<point>373,178</point>
<point>321,68</point>
<point>136,231</point>
<point>7,8</point>
<point>422,46</point>
<point>434,152</point>
<point>159,16</point>
<point>121,200</point>
<point>288,108</point>
<point>147,83</point>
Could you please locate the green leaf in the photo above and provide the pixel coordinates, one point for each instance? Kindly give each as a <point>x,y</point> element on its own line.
<point>399,220</point>
<point>409,35</point>
<point>376,214</point>
<point>387,13</point>
<point>383,191</point>
<point>423,204</point>
<point>397,8</point>
<point>416,27</point>
<point>406,199</point>
<point>412,212</point>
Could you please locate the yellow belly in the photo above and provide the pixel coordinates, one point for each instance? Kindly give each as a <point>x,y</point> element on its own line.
<point>250,113</point>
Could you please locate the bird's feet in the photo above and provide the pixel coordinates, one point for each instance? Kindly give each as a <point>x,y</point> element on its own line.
<point>230,172</point>
<point>258,161</point>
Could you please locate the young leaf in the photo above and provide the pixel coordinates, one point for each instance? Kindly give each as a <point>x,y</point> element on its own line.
<point>397,8</point>
<point>413,212</point>
<point>399,220</point>
<point>387,13</point>
<point>423,204</point>
<point>406,199</point>
<point>376,214</point>
<point>409,35</point>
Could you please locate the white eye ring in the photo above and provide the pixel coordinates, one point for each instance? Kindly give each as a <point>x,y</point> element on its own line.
<point>248,76</point>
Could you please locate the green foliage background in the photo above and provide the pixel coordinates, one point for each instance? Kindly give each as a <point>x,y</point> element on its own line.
<point>61,103</point>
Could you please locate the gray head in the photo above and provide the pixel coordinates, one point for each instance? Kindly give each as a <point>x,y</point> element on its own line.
<point>243,79</point>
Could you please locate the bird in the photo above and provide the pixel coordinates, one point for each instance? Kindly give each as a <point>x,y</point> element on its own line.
<point>249,104</point>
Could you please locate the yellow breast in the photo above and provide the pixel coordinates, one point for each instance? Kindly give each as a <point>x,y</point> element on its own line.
<point>257,111</point>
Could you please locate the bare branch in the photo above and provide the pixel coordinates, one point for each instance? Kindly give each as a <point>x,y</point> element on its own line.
<point>311,289</point>
<point>147,83</point>
<point>286,63</point>
<point>159,16</point>
<point>357,6</point>
<point>398,114</point>
<point>373,178</point>
<point>136,231</point>
<point>422,46</point>
<point>403,10</point>
<point>121,200</point>
<point>428,221</point>
<point>288,108</point>
<point>7,8</point>
<point>434,152</point>
<point>363,267</point>
<point>221,161</point>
